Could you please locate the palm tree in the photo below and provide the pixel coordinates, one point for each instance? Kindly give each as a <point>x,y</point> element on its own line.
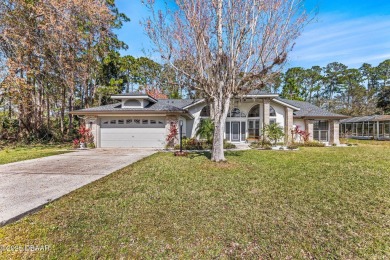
<point>205,130</point>
<point>274,132</point>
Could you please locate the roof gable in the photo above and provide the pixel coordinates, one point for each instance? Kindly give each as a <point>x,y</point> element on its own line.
<point>308,110</point>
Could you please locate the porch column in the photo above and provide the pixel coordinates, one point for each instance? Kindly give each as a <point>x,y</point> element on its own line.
<point>97,133</point>
<point>334,132</point>
<point>309,128</point>
<point>377,130</point>
<point>288,123</point>
<point>265,112</point>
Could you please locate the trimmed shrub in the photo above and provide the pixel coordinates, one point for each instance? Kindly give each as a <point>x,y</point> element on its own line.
<point>260,144</point>
<point>292,147</point>
<point>267,147</point>
<point>311,144</point>
<point>194,144</point>
<point>227,145</point>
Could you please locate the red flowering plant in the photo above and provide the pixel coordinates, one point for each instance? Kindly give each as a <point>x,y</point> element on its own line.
<point>172,135</point>
<point>85,137</point>
<point>304,135</point>
<point>76,143</point>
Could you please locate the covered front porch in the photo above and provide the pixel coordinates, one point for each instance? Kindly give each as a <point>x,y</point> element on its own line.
<point>247,118</point>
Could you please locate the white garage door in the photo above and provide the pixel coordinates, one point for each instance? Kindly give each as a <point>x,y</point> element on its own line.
<point>132,132</point>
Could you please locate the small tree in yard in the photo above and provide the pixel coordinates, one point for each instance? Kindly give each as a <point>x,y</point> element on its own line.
<point>206,130</point>
<point>274,132</point>
<point>225,48</point>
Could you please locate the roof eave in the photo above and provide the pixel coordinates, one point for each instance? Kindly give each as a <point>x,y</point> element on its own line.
<point>193,104</point>
<point>321,117</point>
<point>261,95</point>
<point>286,104</point>
<point>105,112</point>
<point>135,97</point>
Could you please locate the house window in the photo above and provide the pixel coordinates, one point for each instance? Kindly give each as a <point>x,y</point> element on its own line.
<point>255,111</point>
<point>129,121</point>
<point>227,130</point>
<point>205,112</point>
<point>321,130</point>
<point>235,112</point>
<point>153,122</point>
<point>160,122</point>
<point>105,122</point>
<point>145,121</point>
<point>272,115</point>
<point>272,112</point>
<point>254,129</point>
<point>112,122</point>
<point>137,121</point>
<point>121,122</point>
<point>254,122</point>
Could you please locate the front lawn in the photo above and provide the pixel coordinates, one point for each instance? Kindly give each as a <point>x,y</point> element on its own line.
<point>8,154</point>
<point>315,203</point>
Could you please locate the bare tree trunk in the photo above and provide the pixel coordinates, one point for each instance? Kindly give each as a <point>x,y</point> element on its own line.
<point>70,108</point>
<point>221,105</point>
<point>48,110</point>
<point>220,109</point>
<point>62,113</point>
<point>10,107</point>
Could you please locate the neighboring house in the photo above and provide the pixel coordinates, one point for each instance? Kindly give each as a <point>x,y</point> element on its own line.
<point>139,120</point>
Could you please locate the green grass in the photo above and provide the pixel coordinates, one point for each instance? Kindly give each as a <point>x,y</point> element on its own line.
<point>15,154</point>
<point>315,203</point>
<point>365,142</point>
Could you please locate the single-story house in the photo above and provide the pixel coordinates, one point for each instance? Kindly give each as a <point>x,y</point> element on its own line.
<point>139,120</point>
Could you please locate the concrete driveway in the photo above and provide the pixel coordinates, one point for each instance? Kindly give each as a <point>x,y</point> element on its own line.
<point>28,185</point>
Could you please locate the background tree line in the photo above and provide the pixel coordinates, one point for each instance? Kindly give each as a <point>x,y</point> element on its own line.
<point>349,91</point>
<point>59,56</point>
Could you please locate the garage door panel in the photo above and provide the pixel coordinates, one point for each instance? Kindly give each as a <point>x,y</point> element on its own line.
<point>132,137</point>
<point>134,143</point>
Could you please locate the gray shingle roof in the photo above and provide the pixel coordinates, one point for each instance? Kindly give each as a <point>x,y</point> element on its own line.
<point>366,119</point>
<point>180,103</point>
<point>309,110</point>
<point>133,94</point>
<point>162,105</point>
<point>260,92</point>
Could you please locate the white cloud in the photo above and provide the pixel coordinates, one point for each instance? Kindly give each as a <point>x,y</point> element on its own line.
<point>349,41</point>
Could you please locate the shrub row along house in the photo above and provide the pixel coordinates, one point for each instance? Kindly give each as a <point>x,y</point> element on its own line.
<point>139,120</point>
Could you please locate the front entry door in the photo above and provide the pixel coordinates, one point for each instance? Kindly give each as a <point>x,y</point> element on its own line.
<point>235,131</point>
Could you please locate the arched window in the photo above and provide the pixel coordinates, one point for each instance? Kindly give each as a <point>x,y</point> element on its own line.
<point>235,112</point>
<point>254,123</point>
<point>272,112</point>
<point>272,115</point>
<point>205,112</point>
<point>255,111</point>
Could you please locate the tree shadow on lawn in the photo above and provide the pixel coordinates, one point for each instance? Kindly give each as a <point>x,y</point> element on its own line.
<point>208,154</point>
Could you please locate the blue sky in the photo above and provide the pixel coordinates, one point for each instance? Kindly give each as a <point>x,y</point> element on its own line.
<point>348,31</point>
